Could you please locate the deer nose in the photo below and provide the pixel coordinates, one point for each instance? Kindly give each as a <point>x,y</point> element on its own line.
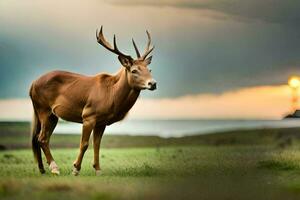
<point>152,84</point>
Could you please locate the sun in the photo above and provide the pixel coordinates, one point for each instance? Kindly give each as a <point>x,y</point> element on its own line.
<point>294,82</point>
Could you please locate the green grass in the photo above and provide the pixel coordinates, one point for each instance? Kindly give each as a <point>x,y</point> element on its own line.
<point>196,172</point>
<point>126,173</point>
<point>249,164</point>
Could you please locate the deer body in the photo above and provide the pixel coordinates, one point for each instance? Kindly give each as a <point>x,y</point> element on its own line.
<point>95,101</point>
<point>73,97</point>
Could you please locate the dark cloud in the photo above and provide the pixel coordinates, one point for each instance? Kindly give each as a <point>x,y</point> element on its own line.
<point>193,54</point>
<point>272,11</point>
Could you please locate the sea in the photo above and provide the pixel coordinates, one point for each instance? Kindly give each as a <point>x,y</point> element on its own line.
<point>179,128</point>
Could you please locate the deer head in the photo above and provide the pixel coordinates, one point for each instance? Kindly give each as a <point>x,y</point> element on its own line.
<point>139,75</point>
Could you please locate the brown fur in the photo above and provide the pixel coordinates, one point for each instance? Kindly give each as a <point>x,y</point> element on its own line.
<point>95,101</point>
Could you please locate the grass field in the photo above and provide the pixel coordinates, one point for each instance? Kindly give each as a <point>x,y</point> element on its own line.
<point>198,172</point>
<point>253,164</point>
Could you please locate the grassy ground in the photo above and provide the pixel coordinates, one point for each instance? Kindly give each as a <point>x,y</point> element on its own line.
<point>198,172</point>
<point>253,164</point>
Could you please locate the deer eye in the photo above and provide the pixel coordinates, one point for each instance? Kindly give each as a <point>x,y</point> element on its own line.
<point>134,71</point>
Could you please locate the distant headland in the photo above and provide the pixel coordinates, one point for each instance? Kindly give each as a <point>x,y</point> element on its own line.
<point>296,114</point>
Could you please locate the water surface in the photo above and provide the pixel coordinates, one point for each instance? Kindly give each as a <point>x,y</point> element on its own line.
<point>179,128</point>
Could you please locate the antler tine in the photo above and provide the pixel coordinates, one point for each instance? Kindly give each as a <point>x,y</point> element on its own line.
<point>115,44</point>
<point>101,40</point>
<point>149,39</point>
<point>136,49</point>
<point>148,49</point>
<point>147,53</point>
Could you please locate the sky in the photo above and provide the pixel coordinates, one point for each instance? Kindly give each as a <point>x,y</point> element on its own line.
<point>219,58</point>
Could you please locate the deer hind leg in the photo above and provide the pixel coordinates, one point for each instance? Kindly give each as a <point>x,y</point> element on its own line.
<point>87,128</point>
<point>97,135</point>
<point>48,123</point>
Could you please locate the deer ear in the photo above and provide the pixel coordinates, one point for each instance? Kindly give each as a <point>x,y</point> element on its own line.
<point>148,60</point>
<point>126,61</point>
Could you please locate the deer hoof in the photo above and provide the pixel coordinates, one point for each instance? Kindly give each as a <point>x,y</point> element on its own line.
<point>75,171</point>
<point>55,171</point>
<point>54,168</point>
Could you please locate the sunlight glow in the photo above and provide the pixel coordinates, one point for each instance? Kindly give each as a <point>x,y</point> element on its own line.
<point>294,82</point>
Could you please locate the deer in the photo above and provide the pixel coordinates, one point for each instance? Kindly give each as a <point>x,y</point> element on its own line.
<point>94,101</point>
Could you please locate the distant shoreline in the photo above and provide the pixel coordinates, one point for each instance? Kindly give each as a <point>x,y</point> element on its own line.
<point>18,137</point>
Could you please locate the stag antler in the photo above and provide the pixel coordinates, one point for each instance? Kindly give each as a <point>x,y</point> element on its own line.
<point>136,49</point>
<point>101,40</point>
<point>147,50</point>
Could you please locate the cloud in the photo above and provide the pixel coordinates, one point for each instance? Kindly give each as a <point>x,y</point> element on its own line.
<point>263,102</point>
<point>274,11</point>
<point>15,109</point>
<point>194,54</point>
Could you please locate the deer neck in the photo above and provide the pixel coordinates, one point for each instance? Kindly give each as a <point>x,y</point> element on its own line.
<point>124,95</point>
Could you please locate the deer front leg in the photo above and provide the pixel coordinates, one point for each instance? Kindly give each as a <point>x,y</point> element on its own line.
<point>97,135</point>
<point>87,128</point>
